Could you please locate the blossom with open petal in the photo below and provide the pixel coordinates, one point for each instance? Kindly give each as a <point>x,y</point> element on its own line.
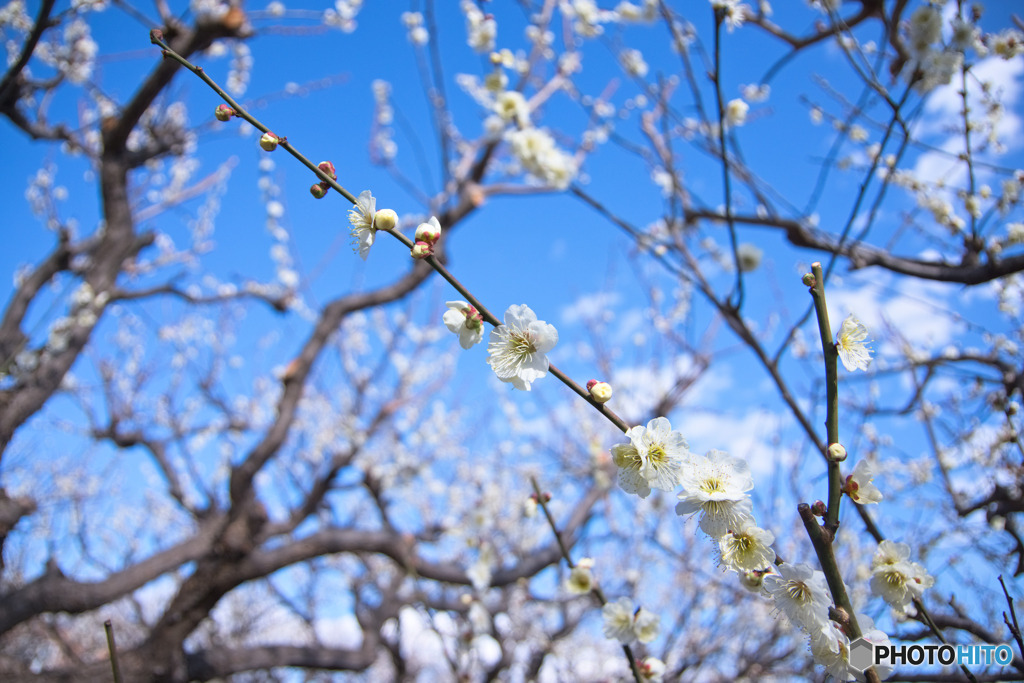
<point>852,345</point>
<point>464,320</point>
<point>626,625</point>
<point>802,593</point>
<point>361,217</point>
<point>716,485</point>
<point>646,625</point>
<point>859,487</point>
<point>652,459</point>
<point>580,581</point>
<point>618,620</point>
<point>747,549</point>
<point>517,349</point>
<point>894,577</point>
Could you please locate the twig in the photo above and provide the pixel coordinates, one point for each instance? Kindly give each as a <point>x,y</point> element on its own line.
<point>595,590</point>
<point>1014,627</point>
<point>112,648</point>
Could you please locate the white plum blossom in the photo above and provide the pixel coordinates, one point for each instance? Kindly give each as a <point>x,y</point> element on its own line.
<point>517,349</point>
<point>653,458</point>
<point>733,12</point>
<point>343,16</point>
<point>511,106</point>
<point>537,152</point>
<point>481,29</point>
<point>581,580</point>
<point>736,113</point>
<point>625,624</point>
<point>589,17</point>
<point>756,92</point>
<point>361,217</point>
<point>852,346</point>
<point>925,28</point>
<point>859,487</point>
<point>802,594</point>
<point>413,22</point>
<point>716,485</point>
<point>646,625</point>
<point>895,578</point>
<point>748,257</point>
<point>464,320</point>
<point>831,649</point>
<point>633,62</point>
<point>748,549</point>
<point>1008,43</point>
<point>618,620</point>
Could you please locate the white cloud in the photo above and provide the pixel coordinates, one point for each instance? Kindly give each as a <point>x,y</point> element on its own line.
<point>588,307</point>
<point>942,111</point>
<point>917,310</point>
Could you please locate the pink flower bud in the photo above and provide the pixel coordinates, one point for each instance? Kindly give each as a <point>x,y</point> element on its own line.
<point>223,112</point>
<point>422,250</point>
<point>318,191</point>
<point>428,232</point>
<point>819,509</point>
<point>269,141</point>
<point>328,168</point>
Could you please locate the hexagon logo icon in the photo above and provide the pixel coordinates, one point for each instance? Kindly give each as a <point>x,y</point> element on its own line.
<point>862,655</point>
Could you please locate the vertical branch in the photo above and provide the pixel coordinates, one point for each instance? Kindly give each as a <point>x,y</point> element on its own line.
<point>737,304</point>
<point>831,356</point>
<point>970,199</point>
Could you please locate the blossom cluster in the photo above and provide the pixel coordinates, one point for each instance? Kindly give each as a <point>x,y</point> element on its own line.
<point>934,61</point>
<point>715,487</point>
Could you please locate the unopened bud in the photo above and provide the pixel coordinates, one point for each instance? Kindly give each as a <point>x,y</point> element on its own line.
<point>836,452</point>
<point>385,219</point>
<point>530,506</point>
<point>599,391</point>
<point>808,279</point>
<point>328,169</point>
<point>234,19</point>
<point>318,191</point>
<point>422,250</point>
<point>819,509</point>
<point>223,112</point>
<point>474,319</point>
<point>269,141</point>
<point>753,580</point>
<point>428,232</point>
